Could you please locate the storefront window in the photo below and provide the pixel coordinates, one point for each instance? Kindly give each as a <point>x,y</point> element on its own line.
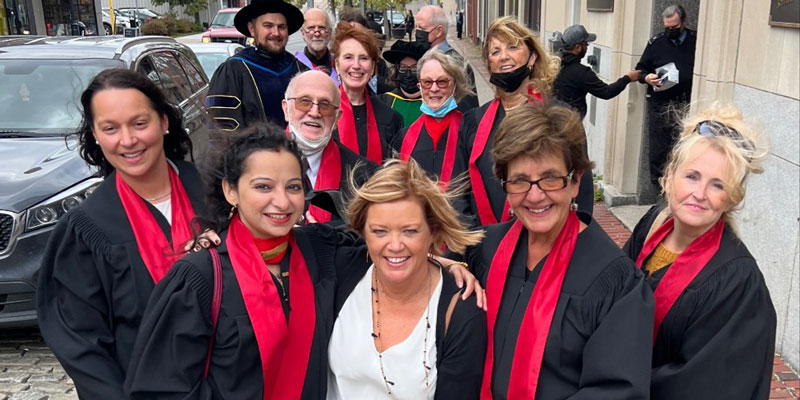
<point>17,21</point>
<point>70,17</point>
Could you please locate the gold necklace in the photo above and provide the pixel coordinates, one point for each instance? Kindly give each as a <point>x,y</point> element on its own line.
<point>159,197</point>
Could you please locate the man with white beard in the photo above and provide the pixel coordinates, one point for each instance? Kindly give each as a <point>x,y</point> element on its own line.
<point>316,33</point>
<point>311,107</point>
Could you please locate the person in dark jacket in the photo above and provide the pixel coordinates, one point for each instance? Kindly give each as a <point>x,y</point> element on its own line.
<point>675,45</point>
<point>410,23</point>
<point>574,80</point>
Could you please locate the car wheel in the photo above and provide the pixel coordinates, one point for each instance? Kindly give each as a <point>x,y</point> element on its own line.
<point>107,28</point>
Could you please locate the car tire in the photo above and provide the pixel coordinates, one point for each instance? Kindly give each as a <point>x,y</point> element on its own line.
<point>107,29</point>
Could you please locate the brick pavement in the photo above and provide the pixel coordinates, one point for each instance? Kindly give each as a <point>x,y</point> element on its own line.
<point>28,369</point>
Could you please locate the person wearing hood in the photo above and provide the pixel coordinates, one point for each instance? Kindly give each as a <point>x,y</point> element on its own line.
<point>242,90</point>
<point>311,107</point>
<point>406,98</point>
<point>574,80</point>
<point>433,139</point>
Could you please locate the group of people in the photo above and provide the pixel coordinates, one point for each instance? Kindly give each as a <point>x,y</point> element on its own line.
<point>345,251</point>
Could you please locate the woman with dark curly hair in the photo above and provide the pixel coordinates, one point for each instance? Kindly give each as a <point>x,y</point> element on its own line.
<point>106,254</point>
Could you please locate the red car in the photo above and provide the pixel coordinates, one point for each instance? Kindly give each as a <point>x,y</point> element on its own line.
<point>223,31</point>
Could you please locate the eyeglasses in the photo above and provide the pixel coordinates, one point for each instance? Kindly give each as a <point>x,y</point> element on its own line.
<point>407,68</point>
<point>316,29</point>
<point>443,83</point>
<point>304,104</point>
<point>546,184</point>
<point>710,128</point>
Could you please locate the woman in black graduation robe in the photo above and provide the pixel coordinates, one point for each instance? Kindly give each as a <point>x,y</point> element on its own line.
<point>94,284</point>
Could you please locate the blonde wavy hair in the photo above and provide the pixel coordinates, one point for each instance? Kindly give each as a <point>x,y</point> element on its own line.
<point>398,180</point>
<point>510,31</point>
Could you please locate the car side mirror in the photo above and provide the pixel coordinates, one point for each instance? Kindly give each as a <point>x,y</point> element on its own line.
<point>205,25</point>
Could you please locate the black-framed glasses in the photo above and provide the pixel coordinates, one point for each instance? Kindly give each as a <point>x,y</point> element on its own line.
<point>711,128</point>
<point>407,68</point>
<point>304,104</point>
<point>546,184</point>
<point>442,83</point>
<point>316,29</point>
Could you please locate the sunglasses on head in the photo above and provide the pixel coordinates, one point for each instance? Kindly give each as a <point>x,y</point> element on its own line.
<point>711,128</point>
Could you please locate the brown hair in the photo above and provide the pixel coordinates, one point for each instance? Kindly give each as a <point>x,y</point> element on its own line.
<point>509,30</point>
<point>367,39</point>
<point>540,129</point>
<point>398,180</point>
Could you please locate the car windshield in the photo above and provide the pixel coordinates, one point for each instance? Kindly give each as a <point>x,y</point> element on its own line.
<point>43,96</point>
<point>397,18</point>
<point>223,20</point>
<point>210,61</point>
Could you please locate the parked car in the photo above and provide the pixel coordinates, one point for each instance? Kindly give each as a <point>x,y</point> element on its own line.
<point>222,29</point>
<point>41,174</point>
<point>139,14</point>
<point>398,19</point>
<point>120,22</point>
<point>211,55</point>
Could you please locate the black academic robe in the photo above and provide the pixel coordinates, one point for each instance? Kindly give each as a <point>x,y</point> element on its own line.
<point>599,342</point>
<point>170,353</point>
<point>460,349</point>
<point>93,287</point>
<point>720,330</point>
<point>248,89</point>
<point>431,159</point>
<point>390,124</point>
<point>465,205</point>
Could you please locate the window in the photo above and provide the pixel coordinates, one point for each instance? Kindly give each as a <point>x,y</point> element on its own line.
<point>163,69</point>
<point>196,78</point>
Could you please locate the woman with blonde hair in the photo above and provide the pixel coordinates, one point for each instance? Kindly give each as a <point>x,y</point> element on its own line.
<point>714,320</point>
<point>426,341</point>
<point>433,139</point>
<point>522,71</point>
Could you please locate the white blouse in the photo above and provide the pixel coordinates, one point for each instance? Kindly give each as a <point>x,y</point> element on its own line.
<point>355,371</point>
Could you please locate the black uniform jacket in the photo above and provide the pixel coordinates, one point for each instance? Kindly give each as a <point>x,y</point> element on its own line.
<point>601,334</point>
<point>460,351</point>
<point>248,88</point>
<point>721,329</point>
<point>431,159</point>
<point>574,80</point>
<point>661,50</point>
<point>171,351</point>
<point>465,205</point>
<point>390,124</point>
<point>93,287</point>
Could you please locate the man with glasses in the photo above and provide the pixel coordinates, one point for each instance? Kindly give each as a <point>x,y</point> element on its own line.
<point>311,108</point>
<point>316,33</point>
<point>242,91</point>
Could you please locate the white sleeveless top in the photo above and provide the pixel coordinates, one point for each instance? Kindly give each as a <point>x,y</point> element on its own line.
<point>355,371</point>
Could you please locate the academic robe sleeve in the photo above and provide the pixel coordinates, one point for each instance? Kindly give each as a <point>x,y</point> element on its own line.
<point>231,102</point>
<point>722,332</point>
<point>462,203</point>
<point>73,307</point>
<point>171,348</point>
<point>464,350</point>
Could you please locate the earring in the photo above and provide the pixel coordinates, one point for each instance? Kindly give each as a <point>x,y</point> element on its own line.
<point>166,132</point>
<point>97,142</point>
<point>233,211</point>
<point>301,219</point>
<point>510,212</point>
<point>573,206</point>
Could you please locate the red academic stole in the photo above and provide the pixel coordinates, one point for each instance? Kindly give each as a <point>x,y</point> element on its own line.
<point>485,213</point>
<point>535,327</point>
<point>328,177</point>
<point>347,129</point>
<point>683,270</point>
<point>284,350</point>
<point>412,136</point>
<point>156,252</point>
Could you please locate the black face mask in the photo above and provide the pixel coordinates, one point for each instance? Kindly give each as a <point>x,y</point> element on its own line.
<point>510,81</point>
<point>672,33</point>
<point>421,36</point>
<point>583,52</point>
<point>408,82</point>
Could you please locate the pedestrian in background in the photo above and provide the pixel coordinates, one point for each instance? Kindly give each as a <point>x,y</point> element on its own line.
<point>714,320</point>
<point>459,23</point>
<point>676,44</point>
<point>410,23</point>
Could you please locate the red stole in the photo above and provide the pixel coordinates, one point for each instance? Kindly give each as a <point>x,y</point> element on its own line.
<point>412,136</point>
<point>156,252</point>
<point>329,176</point>
<point>284,350</point>
<point>683,270</point>
<point>348,135</point>
<point>485,213</point>
<point>532,336</point>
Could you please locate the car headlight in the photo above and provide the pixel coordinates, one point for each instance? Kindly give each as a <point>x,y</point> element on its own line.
<point>206,39</point>
<point>49,211</point>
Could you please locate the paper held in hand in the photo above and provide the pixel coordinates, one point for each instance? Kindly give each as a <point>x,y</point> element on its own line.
<point>669,76</point>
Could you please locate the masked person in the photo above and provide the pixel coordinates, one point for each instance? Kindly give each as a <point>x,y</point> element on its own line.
<point>242,91</point>
<point>675,45</point>
<point>316,30</point>
<point>521,71</point>
<point>406,98</point>
<point>433,139</point>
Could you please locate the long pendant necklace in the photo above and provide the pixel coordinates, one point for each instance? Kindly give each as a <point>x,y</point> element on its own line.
<point>379,341</point>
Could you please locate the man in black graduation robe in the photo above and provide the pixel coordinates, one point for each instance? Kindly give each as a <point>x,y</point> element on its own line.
<point>243,89</point>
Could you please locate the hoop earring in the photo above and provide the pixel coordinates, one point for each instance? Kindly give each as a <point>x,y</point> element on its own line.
<point>233,211</point>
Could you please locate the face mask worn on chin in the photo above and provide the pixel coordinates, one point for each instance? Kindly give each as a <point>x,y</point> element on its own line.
<point>510,81</point>
<point>421,36</point>
<point>309,147</point>
<point>408,82</point>
<point>672,33</point>
<point>448,106</point>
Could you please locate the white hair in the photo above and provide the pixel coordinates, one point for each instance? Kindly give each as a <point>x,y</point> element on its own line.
<point>319,78</point>
<point>438,17</point>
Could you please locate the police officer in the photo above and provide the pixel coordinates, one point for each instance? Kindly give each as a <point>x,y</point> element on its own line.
<point>574,79</point>
<point>675,45</point>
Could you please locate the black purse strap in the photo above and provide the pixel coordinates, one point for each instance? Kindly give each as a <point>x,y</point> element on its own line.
<point>216,302</point>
